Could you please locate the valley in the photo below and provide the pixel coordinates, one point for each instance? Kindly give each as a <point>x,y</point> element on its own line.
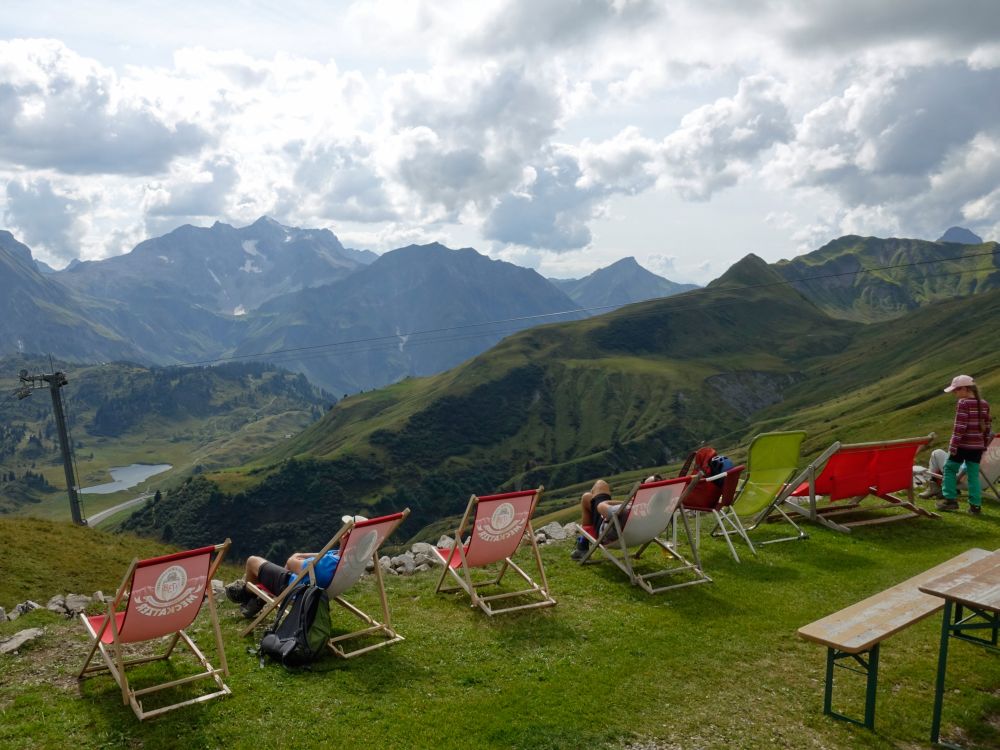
<point>554,402</point>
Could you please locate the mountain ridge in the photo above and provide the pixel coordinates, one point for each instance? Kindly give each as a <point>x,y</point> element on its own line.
<point>623,282</point>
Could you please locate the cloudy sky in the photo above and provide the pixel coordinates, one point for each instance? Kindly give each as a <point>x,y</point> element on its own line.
<point>557,134</point>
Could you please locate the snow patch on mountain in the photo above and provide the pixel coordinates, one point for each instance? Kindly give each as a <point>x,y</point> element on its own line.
<point>402,338</point>
<point>251,267</point>
<point>239,310</point>
<point>250,248</point>
<point>212,274</point>
<point>165,259</point>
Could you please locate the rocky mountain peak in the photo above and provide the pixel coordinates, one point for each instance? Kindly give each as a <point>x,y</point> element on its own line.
<point>960,236</point>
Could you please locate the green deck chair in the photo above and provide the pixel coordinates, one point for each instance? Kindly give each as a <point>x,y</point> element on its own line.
<point>772,461</point>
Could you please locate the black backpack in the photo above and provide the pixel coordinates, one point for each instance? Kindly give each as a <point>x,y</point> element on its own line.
<point>298,638</point>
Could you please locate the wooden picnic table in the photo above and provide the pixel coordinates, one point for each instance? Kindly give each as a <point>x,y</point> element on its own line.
<point>854,634</point>
<point>975,587</point>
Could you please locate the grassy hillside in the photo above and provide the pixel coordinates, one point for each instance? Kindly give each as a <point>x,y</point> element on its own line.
<point>556,405</point>
<point>609,396</point>
<point>195,419</point>
<point>715,666</point>
<point>870,278</point>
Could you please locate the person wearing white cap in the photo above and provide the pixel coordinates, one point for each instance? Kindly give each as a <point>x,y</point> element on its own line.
<point>969,438</point>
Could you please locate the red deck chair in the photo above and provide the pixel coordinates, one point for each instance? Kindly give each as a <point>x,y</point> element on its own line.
<point>498,524</point>
<point>713,495</point>
<point>640,522</point>
<point>359,544</point>
<point>164,596</point>
<point>853,472</point>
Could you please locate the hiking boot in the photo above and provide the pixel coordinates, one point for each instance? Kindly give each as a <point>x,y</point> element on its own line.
<point>582,548</point>
<point>976,510</point>
<point>933,490</point>
<point>946,504</point>
<point>252,608</point>
<point>237,593</point>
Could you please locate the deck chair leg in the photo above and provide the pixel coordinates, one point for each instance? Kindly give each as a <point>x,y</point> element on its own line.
<point>993,487</point>
<point>732,549</point>
<point>728,524</point>
<point>694,547</point>
<point>270,605</point>
<point>214,614</point>
<point>445,565</point>
<point>380,582</point>
<point>90,657</point>
<point>170,647</point>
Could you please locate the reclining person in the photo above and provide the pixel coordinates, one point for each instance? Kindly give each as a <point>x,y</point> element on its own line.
<point>596,507</point>
<point>276,578</point>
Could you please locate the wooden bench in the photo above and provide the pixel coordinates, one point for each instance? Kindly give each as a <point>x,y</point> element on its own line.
<point>855,632</point>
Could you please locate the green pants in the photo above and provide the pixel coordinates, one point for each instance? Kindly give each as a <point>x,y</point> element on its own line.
<point>949,486</point>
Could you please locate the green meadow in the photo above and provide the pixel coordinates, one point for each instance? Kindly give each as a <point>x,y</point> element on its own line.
<point>716,665</point>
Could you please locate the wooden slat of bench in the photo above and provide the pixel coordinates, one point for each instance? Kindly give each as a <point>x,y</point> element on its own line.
<point>860,626</point>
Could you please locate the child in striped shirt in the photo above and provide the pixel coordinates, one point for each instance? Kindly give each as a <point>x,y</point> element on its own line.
<point>969,438</point>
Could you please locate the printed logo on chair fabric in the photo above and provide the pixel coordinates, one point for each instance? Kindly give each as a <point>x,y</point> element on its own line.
<point>361,552</point>
<point>659,500</point>
<point>170,594</point>
<point>503,524</point>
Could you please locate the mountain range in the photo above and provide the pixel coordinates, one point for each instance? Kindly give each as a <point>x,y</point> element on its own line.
<point>868,278</point>
<point>605,396</point>
<point>347,318</point>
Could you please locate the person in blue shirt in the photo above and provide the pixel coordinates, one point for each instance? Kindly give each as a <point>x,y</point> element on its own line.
<point>276,578</point>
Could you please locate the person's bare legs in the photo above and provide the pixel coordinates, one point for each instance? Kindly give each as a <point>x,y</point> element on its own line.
<point>252,569</point>
<point>600,488</point>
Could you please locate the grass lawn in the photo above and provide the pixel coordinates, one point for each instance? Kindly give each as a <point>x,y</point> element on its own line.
<point>710,666</point>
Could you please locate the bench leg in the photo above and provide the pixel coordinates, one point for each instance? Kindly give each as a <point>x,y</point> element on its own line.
<point>960,626</point>
<point>869,668</point>
<point>942,668</point>
<point>872,686</point>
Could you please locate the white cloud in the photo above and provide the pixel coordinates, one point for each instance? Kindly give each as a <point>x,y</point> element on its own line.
<point>526,25</point>
<point>625,163</point>
<point>551,212</point>
<point>904,150</point>
<point>453,139</point>
<point>508,122</point>
<point>202,194</point>
<point>716,144</point>
<point>65,112</point>
<point>853,24</point>
<point>46,218</point>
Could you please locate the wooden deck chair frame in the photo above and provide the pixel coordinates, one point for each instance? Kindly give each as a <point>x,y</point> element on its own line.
<point>641,521</point>
<point>500,529</point>
<point>726,496</point>
<point>361,542</point>
<point>160,602</point>
<point>773,481</point>
<point>805,487</point>
<point>989,469</point>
